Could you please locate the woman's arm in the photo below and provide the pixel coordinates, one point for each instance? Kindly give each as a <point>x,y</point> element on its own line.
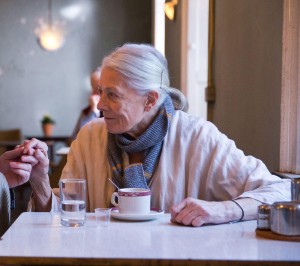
<point>35,153</point>
<point>198,212</point>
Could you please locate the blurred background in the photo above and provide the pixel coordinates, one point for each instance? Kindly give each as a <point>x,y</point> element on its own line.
<point>34,81</point>
<point>226,56</point>
<point>233,47</point>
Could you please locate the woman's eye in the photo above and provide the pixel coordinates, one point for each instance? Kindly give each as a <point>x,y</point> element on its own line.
<point>112,95</point>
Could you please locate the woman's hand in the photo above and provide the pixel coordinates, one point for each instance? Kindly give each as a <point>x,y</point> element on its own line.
<point>198,212</point>
<point>26,161</point>
<point>35,153</point>
<point>15,171</point>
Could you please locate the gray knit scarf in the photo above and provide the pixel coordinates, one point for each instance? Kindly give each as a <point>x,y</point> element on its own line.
<point>139,175</point>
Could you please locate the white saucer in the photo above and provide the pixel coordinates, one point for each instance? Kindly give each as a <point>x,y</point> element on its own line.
<point>154,214</point>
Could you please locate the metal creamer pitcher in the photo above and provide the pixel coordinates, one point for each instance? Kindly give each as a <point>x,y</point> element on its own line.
<point>295,189</point>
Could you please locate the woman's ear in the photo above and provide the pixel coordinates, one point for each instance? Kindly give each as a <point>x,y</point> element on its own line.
<point>151,100</point>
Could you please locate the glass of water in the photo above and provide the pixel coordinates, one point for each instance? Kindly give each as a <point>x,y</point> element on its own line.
<point>72,202</point>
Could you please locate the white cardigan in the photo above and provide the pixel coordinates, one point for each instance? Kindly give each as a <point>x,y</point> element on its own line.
<point>196,161</point>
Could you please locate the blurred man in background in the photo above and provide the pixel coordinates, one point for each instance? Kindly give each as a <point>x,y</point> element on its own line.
<point>90,112</point>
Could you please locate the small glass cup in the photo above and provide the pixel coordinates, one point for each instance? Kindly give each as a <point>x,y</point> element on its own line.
<point>103,216</point>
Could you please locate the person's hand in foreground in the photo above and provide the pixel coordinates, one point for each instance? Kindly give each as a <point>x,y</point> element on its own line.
<point>15,171</point>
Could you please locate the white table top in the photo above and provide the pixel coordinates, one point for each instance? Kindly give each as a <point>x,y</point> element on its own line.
<point>41,235</point>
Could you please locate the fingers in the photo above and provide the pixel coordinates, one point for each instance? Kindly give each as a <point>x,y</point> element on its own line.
<point>42,156</point>
<point>21,178</point>
<point>22,173</point>
<point>29,159</point>
<point>33,156</point>
<point>20,166</point>
<point>13,154</point>
<point>192,217</point>
<point>176,211</point>
<point>25,161</point>
<point>39,156</point>
<point>178,207</point>
<point>33,144</point>
<point>198,221</point>
<point>189,212</point>
<point>28,147</point>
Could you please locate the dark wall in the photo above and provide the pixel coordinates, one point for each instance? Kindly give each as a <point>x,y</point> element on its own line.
<point>247,70</point>
<point>173,47</point>
<point>34,82</point>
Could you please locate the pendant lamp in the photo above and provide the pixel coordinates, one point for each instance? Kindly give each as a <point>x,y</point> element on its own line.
<point>51,37</point>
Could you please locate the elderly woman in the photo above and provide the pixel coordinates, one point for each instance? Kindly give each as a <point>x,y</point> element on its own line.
<point>146,140</point>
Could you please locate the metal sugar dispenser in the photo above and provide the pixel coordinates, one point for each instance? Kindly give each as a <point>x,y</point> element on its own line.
<point>263,217</point>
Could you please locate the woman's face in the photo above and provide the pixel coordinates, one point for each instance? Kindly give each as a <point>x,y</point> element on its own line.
<point>122,107</point>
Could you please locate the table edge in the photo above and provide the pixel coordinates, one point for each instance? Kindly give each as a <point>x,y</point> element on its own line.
<point>145,262</point>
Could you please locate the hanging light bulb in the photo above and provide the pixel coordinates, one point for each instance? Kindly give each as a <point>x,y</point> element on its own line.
<point>170,9</point>
<point>51,38</point>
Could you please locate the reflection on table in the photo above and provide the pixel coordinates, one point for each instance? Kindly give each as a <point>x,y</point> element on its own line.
<point>157,242</point>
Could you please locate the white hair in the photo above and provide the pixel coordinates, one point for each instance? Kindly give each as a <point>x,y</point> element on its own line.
<point>144,69</point>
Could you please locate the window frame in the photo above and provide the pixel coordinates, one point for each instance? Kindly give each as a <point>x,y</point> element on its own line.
<point>290,95</point>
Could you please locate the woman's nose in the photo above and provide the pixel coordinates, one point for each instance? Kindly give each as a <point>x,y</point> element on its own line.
<point>101,103</point>
<point>98,105</point>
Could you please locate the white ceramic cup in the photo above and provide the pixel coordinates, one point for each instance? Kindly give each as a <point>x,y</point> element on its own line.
<point>132,200</point>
